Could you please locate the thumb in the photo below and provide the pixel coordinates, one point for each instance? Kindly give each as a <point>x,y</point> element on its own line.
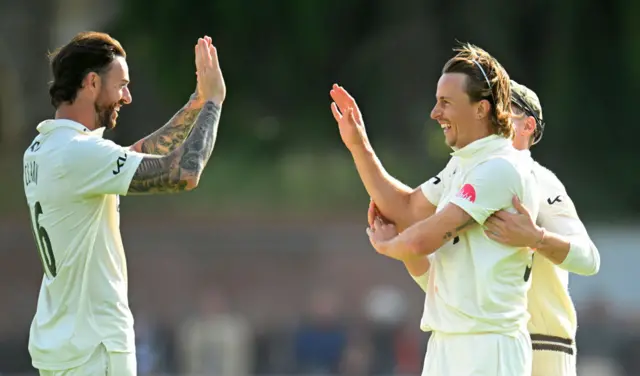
<point>518,205</point>
<point>371,214</point>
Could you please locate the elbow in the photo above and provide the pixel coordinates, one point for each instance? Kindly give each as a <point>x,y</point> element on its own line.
<point>593,257</point>
<point>588,272</point>
<point>594,271</point>
<point>190,183</point>
<point>191,179</point>
<point>595,268</point>
<point>583,259</point>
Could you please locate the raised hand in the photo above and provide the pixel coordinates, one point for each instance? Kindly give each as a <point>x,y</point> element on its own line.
<point>347,115</point>
<point>211,85</point>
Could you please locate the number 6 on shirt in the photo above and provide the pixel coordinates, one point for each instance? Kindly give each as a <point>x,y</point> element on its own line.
<point>43,242</point>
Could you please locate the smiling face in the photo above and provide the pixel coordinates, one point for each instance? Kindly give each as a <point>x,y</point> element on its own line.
<point>456,113</point>
<point>113,94</point>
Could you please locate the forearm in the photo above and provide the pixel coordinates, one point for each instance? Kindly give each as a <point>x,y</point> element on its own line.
<point>182,168</point>
<point>415,243</point>
<point>391,196</point>
<point>576,254</point>
<point>553,246</point>
<point>428,235</point>
<point>167,138</point>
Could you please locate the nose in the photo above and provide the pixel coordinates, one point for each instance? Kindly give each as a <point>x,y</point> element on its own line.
<point>436,113</point>
<point>126,96</point>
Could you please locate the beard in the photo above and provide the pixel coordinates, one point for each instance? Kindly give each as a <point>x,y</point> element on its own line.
<point>106,115</point>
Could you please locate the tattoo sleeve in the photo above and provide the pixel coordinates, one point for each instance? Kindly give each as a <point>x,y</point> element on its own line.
<point>171,135</point>
<point>178,170</point>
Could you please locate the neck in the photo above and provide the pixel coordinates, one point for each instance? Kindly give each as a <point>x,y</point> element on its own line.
<point>76,113</point>
<point>475,133</point>
<point>521,144</point>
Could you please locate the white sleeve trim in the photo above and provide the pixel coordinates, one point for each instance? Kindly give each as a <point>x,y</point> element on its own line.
<point>583,257</point>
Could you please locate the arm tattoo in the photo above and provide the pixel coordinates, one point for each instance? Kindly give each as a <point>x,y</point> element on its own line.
<point>448,235</point>
<point>172,172</point>
<point>466,224</point>
<point>171,135</point>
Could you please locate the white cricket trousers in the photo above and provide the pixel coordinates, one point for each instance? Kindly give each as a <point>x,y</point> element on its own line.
<point>487,354</point>
<point>101,363</point>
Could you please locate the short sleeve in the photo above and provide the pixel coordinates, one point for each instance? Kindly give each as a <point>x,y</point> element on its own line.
<point>432,189</point>
<point>95,166</point>
<point>488,188</point>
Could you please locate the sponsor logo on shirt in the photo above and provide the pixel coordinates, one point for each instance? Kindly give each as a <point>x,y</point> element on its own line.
<point>119,163</point>
<point>467,192</point>
<point>551,202</point>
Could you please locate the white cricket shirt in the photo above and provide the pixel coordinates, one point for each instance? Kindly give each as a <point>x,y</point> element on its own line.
<point>553,315</point>
<point>550,305</point>
<point>476,285</point>
<point>72,179</point>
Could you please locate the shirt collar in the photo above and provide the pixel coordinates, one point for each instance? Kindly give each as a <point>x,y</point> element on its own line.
<point>51,124</point>
<point>526,152</point>
<point>482,146</point>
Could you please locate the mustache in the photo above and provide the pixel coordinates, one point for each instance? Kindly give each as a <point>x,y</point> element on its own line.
<point>119,103</point>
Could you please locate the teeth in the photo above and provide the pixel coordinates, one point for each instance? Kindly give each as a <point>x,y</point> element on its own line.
<point>445,126</point>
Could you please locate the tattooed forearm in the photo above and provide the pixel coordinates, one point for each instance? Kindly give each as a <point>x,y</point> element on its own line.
<point>466,224</point>
<point>181,169</point>
<point>171,135</point>
<point>450,234</point>
<point>198,147</point>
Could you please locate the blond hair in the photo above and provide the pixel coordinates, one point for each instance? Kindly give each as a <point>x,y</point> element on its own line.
<point>486,80</point>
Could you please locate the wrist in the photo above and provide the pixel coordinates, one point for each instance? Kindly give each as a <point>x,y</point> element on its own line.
<point>216,101</point>
<point>196,98</point>
<point>539,238</point>
<point>362,148</point>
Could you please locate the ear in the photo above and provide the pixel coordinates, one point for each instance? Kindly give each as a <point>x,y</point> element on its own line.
<point>92,81</point>
<point>529,125</point>
<point>483,109</point>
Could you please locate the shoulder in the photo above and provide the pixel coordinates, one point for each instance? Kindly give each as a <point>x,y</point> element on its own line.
<point>547,180</point>
<point>553,194</point>
<point>452,164</point>
<point>89,146</point>
<point>86,153</point>
<point>500,167</point>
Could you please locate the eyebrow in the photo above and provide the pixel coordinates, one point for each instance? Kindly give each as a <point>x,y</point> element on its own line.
<point>442,97</point>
